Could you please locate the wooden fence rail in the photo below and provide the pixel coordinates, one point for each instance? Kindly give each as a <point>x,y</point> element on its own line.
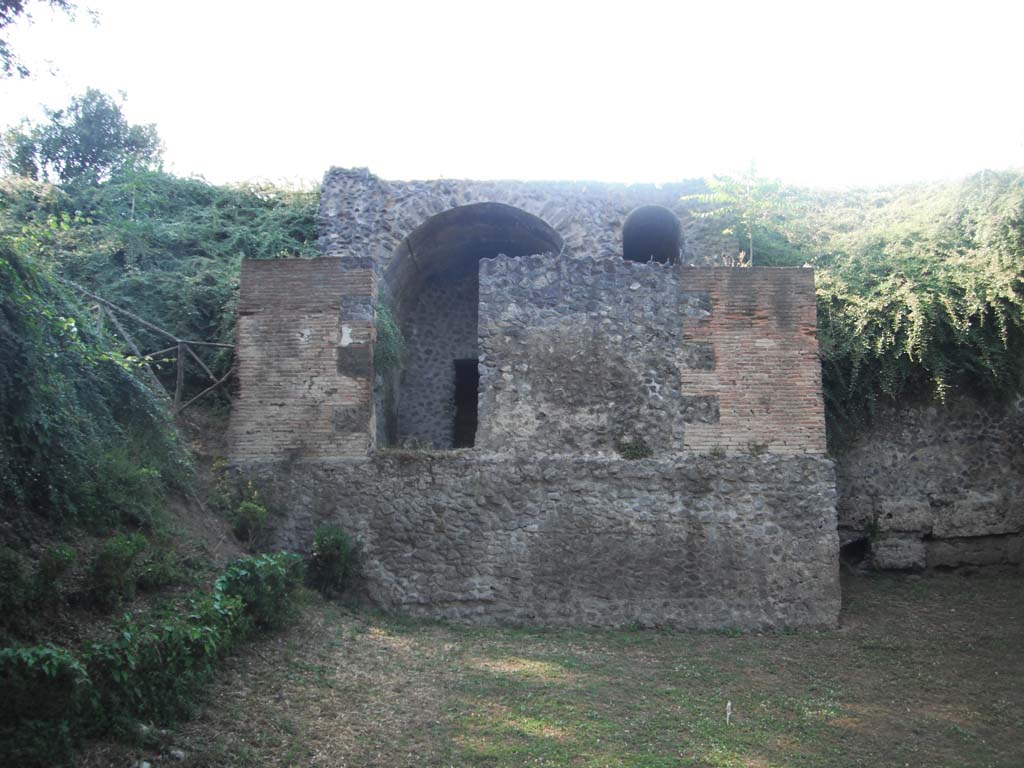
<point>182,349</point>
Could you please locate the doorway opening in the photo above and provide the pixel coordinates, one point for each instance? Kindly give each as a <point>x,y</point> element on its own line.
<point>467,382</point>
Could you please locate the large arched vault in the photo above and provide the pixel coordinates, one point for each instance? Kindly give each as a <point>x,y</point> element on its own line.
<point>431,285</point>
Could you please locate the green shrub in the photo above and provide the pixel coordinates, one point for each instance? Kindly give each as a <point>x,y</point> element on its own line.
<point>52,567</point>
<point>69,398</point>
<point>330,560</point>
<point>160,568</point>
<point>250,517</point>
<point>221,494</point>
<point>114,572</point>
<point>46,696</point>
<point>264,584</point>
<point>152,670</point>
<point>55,562</point>
<point>16,588</point>
<point>132,491</point>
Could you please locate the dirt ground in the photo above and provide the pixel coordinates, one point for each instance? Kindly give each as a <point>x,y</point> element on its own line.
<point>923,671</point>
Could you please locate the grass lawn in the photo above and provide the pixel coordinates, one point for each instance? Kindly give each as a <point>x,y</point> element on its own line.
<point>922,672</point>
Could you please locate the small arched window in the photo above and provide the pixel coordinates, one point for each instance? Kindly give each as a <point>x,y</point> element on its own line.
<point>651,233</point>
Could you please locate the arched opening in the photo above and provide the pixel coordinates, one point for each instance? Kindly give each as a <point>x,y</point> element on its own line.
<point>432,285</point>
<point>651,233</point>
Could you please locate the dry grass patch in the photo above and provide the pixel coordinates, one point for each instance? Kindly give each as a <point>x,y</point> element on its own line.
<point>922,672</point>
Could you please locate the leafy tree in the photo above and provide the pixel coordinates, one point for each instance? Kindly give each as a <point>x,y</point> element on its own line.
<point>10,11</point>
<point>86,142</point>
<point>761,209</point>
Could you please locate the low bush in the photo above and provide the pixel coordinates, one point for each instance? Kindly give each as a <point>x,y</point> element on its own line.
<point>15,582</point>
<point>114,572</point>
<point>46,694</point>
<point>161,567</point>
<point>150,670</point>
<point>330,560</point>
<point>263,583</point>
<point>634,448</point>
<point>250,517</point>
<point>51,569</point>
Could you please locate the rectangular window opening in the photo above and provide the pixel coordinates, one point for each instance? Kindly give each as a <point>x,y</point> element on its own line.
<point>467,382</point>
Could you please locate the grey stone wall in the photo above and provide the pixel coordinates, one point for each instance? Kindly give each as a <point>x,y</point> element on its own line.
<point>938,487</point>
<point>740,541</point>
<point>366,216</point>
<point>441,328</point>
<point>587,354</point>
<point>580,355</point>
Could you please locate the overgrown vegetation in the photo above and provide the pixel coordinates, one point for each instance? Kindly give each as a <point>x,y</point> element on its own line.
<point>81,438</point>
<point>389,349</point>
<point>150,669</point>
<point>330,560</point>
<point>920,288</point>
<point>634,448</point>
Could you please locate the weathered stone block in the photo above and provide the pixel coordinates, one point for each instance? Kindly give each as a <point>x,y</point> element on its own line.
<point>898,552</point>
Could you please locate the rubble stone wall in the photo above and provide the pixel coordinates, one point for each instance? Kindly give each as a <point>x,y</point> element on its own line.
<point>583,355</point>
<point>937,486</point>
<point>738,541</point>
<point>366,216</point>
<point>441,328</point>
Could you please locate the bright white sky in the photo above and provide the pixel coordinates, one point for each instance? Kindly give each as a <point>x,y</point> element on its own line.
<point>821,93</point>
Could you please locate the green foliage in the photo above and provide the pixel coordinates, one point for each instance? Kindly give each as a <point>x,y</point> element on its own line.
<point>250,518</point>
<point>264,583</point>
<point>50,570</point>
<point>129,482</point>
<point>634,448</point>
<point>920,289</point>
<point>16,585</point>
<point>150,670</point>
<point>81,437</point>
<point>389,349</point>
<point>330,560</point>
<point>46,693</point>
<point>86,142</point>
<point>169,249</point>
<point>160,567</point>
<point>750,206</point>
<point>221,493</point>
<point>114,572</point>
<point>11,11</point>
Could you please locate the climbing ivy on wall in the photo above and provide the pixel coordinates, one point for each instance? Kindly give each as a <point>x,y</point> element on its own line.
<point>389,350</point>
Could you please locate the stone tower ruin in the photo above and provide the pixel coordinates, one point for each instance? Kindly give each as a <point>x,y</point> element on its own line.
<point>597,419</point>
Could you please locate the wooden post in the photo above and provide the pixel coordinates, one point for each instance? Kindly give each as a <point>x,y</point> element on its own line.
<point>181,376</point>
<point>135,351</point>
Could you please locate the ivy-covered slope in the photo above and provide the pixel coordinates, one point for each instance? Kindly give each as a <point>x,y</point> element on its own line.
<point>920,288</point>
<point>81,438</point>
<point>167,248</point>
